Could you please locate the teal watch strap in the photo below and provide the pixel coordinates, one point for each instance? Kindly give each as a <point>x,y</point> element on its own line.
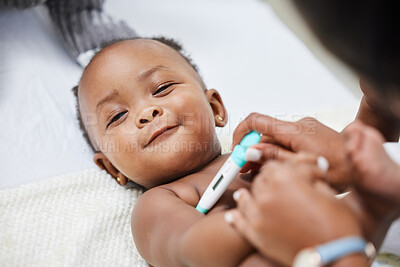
<point>339,248</point>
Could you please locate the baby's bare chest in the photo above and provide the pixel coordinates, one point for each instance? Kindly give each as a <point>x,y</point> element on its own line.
<point>191,188</point>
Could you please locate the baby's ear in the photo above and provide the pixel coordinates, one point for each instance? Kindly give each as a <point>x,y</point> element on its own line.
<point>218,108</point>
<point>102,161</point>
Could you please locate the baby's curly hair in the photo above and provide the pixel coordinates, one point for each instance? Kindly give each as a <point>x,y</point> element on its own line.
<point>167,41</point>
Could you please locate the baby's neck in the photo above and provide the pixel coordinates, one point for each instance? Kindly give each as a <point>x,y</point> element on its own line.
<point>206,166</point>
<point>216,162</point>
<point>209,167</point>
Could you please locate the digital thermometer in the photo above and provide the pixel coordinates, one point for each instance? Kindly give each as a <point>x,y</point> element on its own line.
<point>227,173</point>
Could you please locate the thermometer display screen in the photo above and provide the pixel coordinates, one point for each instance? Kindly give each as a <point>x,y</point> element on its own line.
<point>218,182</point>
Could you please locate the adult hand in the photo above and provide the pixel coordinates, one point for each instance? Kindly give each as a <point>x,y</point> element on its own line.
<point>375,198</point>
<point>306,135</point>
<point>287,210</point>
<point>376,177</point>
<point>372,168</point>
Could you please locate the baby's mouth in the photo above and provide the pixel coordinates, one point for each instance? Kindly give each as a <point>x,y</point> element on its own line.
<point>160,132</point>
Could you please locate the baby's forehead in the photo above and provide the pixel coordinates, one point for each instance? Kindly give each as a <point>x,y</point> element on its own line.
<point>135,49</point>
<point>123,53</point>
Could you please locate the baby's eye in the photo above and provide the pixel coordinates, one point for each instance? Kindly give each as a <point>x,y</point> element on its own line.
<point>116,118</point>
<point>162,88</point>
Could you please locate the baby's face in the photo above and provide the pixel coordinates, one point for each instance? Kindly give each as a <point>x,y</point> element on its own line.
<point>147,110</point>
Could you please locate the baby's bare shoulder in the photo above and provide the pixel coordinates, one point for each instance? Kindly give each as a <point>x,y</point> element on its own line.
<point>183,191</point>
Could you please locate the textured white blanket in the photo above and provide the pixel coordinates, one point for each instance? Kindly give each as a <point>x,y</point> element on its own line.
<point>78,219</point>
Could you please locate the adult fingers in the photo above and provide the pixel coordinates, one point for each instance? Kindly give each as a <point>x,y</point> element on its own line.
<point>241,218</point>
<point>268,140</point>
<point>325,188</point>
<point>354,135</point>
<point>258,154</point>
<point>321,162</point>
<point>267,152</point>
<point>286,173</point>
<point>237,219</point>
<point>265,125</point>
<point>254,166</point>
<point>245,202</point>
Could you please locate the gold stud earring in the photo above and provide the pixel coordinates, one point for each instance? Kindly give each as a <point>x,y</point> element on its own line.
<point>121,179</point>
<point>219,118</point>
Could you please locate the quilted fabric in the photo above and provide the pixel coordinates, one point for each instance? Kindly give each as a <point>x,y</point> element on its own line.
<point>78,219</point>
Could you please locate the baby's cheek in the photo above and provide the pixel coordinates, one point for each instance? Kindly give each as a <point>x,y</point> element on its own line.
<point>200,118</point>
<point>190,102</point>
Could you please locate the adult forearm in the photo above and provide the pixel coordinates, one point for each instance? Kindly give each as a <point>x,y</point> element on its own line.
<point>381,119</point>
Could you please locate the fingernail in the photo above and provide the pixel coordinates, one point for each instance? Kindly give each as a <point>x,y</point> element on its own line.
<point>228,217</point>
<point>323,163</point>
<point>253,154</point>
<point>236,195</point>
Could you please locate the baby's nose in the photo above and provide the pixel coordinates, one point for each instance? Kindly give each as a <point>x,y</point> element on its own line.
<point>147,115</point>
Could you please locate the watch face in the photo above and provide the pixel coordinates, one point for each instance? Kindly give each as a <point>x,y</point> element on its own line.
<point>307,258</point>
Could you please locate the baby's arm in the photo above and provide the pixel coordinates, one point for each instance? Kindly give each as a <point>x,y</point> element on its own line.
<point>169,232</point>
<point>256,259</point>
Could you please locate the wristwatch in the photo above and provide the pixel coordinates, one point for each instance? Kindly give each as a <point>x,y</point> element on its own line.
<point>324,254</point>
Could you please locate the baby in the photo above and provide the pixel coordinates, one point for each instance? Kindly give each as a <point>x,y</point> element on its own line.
<point>151,120</point>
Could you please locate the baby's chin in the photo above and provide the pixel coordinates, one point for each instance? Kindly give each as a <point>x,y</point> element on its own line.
<point>161,178</point>
<point>173,166</point>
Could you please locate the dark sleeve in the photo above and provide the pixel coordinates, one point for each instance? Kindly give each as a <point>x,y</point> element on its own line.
<point>84,26</point>
<point>20,4</point>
